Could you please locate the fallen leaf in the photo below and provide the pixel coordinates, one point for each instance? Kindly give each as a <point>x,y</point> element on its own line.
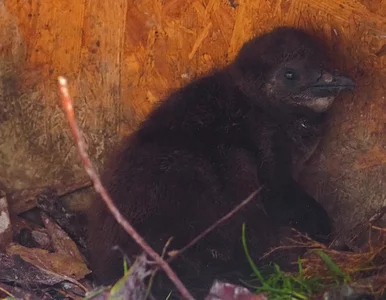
<point>42,239</point>
<point>73,223</point>
<point>29,234</point>
<point>60,240</point>
<point>57,263</point>
<point>24,200</point>
<point>14,269</point>
<point>19,223</point>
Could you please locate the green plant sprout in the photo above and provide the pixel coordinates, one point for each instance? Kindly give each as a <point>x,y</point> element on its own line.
<point>281,285</point>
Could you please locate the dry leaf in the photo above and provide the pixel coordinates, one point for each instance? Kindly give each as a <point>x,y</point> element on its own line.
<point>73,223</point>
<point>57,263</point>
<point>23,200</point>
<point>39,235</point>
<point>15,269</point>
<point>60,240</point>
<point>42,239</point>
<point>19,223</point>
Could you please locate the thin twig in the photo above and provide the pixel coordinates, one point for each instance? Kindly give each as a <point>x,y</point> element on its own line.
<point>91,171</point>
<point>378,228</point>
<point>15,292</point>
<point>6,292</point>
<point>214,225</point>
<point>378,215</point>
<point>67,190</point>
<point>174,253</point>
<point>279,248</point>
<point>296,242</point>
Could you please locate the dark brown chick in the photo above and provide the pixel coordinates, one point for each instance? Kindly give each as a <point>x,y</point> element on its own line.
<point>209,145</point>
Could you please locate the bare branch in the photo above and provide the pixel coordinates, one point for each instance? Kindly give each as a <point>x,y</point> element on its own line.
<point>91,171</point>
<point>175,253</point>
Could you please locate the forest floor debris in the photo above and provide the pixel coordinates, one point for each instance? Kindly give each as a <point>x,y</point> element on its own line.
<point>46,259</point>
<point>47,264</point>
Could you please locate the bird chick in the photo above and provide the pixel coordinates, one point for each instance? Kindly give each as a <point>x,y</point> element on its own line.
<point>210,144</point>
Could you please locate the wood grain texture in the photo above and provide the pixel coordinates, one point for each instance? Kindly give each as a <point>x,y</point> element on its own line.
<point>122,57</point>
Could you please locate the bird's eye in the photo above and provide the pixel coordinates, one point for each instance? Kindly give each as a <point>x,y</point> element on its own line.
<point>290,75</point>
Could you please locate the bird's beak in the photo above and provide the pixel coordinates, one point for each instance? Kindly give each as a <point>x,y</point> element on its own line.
<point>333,83</point>
<point>327,87</point>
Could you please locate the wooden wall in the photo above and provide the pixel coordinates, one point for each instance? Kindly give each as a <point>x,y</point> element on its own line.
<point>122,56</point>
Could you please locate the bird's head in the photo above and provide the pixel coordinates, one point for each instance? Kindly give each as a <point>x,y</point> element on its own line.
<point>289,67</point>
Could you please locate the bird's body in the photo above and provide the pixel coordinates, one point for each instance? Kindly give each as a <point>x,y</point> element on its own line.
<point>207,147</point>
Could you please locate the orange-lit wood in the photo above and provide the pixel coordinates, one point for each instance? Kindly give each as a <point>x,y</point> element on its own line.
<point>123,56</point>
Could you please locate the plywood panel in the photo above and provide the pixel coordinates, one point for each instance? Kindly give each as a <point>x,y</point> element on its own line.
<point>124,56</point>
